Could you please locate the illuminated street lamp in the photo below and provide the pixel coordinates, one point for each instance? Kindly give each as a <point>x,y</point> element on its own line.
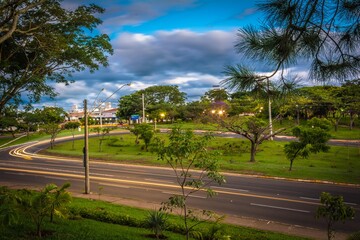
<point>86,137</point>
<point>162,116</point>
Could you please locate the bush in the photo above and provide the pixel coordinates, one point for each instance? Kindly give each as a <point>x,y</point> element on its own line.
<point>157,222</point>
<point>102,215</point>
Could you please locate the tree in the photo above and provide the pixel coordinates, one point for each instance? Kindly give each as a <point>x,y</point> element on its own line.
<point>156,99</point>
<point>350,97</point>
<point>39,205</point>
<point>252,128</point>
<point>51,119</point>
<point>244,103</point>
<point>143,131</point>
<point>194,110</point>
<point>325,32</point>
<point>53,129</point>
<point>41,42</point>
<point>312,138</point>
<point>72,126</point>
<point>60,198</point>
<point>101,132</point>
<point>53,115</point>
<point>30,120</point>
<point>12,12</point>
<point>333,209</point>
<point>9,121</point>
<point>183,152</point>
<point>215,95</point>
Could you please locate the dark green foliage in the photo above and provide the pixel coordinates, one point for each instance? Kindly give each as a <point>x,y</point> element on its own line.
<point>103,215</point>
<point>9,214</point>
<point>312,138</point>
<point>157,222</point>
<point>143,131</point>
<point>157,99</point>
<point>41,42</point>
<point>33,206</point>
<point>333,209</point>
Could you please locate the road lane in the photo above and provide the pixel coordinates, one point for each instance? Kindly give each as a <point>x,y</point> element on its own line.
<point>274,200</point>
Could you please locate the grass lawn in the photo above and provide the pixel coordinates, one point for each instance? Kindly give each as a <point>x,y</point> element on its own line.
<point>84,224</point>
<point>343,132</point>
<point>340,164</point>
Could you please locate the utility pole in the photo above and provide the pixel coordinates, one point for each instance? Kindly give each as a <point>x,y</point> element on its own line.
<point>143,109</point>
<point>86,149</point>
<point>86,136</point>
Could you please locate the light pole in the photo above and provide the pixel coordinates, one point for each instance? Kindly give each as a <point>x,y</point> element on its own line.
<point>143,108</point>
<point>86,138</point>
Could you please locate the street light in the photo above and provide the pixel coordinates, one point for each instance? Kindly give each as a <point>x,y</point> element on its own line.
<point>86,138</point>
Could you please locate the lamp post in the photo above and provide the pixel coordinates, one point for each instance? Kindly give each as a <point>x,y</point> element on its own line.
<point>86,137</point>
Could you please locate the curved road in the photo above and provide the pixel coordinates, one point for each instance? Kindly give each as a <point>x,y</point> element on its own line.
<point>290,202</point>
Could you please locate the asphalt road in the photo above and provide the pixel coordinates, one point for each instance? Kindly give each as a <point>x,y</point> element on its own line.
<point>290,202</point>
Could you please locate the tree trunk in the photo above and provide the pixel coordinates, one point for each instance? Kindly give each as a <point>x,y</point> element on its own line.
<point>336,125</point>
<point>253,152</point>
<point>291,163</point>
<point>351,121</point>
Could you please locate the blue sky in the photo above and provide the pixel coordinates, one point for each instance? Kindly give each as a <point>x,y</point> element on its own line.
<point>162,42</point>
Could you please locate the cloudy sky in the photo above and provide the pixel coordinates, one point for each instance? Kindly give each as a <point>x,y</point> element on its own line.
<point>162,42</point>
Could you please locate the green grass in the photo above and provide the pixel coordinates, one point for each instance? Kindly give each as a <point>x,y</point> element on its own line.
<point>340,164</point>
<point>32,137</point>
<point>85,228</point>
<point>343,132</point>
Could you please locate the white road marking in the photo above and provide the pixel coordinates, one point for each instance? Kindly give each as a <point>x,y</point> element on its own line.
<point>288,209</point>
<point>195,196</point>
<point>231,189</point>
<point>113,185</point>
<point>157,180</point>
<point>57,178</point>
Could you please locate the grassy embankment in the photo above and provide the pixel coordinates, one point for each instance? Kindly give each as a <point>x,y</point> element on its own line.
<point>94,219</point>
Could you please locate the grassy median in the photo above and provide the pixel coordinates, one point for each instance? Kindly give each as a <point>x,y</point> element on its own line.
<point>340,164</point>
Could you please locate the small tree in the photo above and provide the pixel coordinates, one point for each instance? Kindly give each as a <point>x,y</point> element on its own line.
<point>312,138</point>
<point>333,209</point>
<point>39,205</point>
<point>101,132</point>
<point>252,128</point>
<point>72,126</point>
<point>143,131</point>
<point>185,151</point>
<point>60,198</point>
<point>53,129</point>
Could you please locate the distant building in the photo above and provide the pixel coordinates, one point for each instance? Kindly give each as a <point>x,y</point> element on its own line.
<point>105,112</point>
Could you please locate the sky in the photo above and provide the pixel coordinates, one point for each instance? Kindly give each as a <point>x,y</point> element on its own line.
<point>186,43</point>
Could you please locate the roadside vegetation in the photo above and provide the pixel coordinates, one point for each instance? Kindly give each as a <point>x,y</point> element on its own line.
<point>95,219</point>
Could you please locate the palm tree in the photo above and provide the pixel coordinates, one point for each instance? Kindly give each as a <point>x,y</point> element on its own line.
<point>60,197</point>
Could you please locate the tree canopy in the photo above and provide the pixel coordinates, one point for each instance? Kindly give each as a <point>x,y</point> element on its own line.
<point>324,33</point>
<point>157,99</point>
<point>40,41</point>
